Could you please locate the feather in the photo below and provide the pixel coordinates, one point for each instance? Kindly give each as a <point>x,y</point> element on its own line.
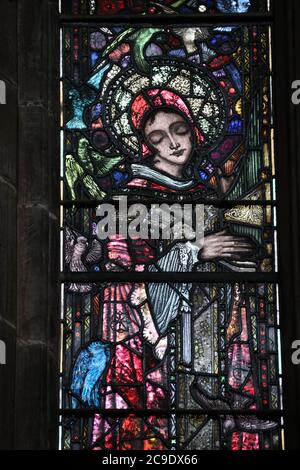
<point>95,252</point>
<point>87,373</point>
<point>92,188</point>
<point>90,158</point>
<point>79,372</point>
<point>69,245</point>
<point>140,39</point>
<point>83,154</point>
<point>73,172</point>
<point>207,53</point>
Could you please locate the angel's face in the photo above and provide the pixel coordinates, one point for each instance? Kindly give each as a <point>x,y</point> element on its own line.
<point>170,137</point>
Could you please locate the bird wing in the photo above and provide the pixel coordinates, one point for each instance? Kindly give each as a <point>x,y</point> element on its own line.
<point>140,39</point>
<point>88,156</point>
<point>97,365</point>
<point>104,164</point>
<point>95,253</point>
<point>73,172</point>
<point>80,370</point>
<point>69,245</point>
<point>83,154</point>
<point>255,424</point>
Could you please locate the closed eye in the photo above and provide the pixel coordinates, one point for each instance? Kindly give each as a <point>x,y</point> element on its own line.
<point>156,137</point>
<point>181,128</point>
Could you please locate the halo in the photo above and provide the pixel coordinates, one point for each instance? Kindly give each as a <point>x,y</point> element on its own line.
<point>196,87</point>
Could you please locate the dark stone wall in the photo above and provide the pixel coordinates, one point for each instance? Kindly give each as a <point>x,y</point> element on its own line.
<point>8,216</point>
<point>29,202</point>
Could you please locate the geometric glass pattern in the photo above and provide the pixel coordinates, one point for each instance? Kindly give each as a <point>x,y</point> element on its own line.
<point>102,8</point>
<point>169,343</point>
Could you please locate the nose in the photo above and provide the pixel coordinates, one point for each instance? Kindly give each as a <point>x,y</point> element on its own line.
<point>173,144</point>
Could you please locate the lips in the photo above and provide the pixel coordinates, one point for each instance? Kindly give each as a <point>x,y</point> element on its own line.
<point>178,153</point>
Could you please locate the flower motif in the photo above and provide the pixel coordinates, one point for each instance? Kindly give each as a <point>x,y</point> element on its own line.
<point>110,7</point>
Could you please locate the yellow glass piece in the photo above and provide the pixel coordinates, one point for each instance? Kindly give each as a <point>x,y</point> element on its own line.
<point>239,107</point>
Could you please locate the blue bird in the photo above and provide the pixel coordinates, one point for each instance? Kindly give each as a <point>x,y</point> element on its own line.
<point>79,99</point>
<point>87,372</point>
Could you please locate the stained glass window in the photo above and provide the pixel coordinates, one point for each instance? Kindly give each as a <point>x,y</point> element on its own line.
<point>168,342</point>
<point>164,7</point>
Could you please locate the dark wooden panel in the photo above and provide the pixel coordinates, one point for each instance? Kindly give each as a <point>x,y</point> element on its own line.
<point>33,51</point>
<point>38,243</point>
<point>8,219</point>
<point>8,40</point>
<point>8,134</point>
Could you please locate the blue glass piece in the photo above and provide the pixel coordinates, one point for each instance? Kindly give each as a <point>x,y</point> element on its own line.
<point>235,75</point>
<point>79,101</point>
<point>94,58</point>
<point>120,177</point>
<point>233,6</point>
<point>177,53</point>
<point>203,176</point>
<point>97,77</point>
<point>235,126</point>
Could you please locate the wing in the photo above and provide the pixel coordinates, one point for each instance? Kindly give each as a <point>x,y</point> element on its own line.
<point>104,164</point>
<point>140,39</point>
<point>69,245</point>
<point>95,253</point>
<point>83,154</point>
<point>73,172</point>
<point>255,424</point>
<point>88,156</point>
<point>97,365</point>
<point>80,370</point>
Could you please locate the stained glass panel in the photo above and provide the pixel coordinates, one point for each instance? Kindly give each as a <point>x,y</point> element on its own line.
<point>205,355</point>
<point>162,7</point>
<point>218,79</point>
<point>251,228</point>
<point>178,116</point>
